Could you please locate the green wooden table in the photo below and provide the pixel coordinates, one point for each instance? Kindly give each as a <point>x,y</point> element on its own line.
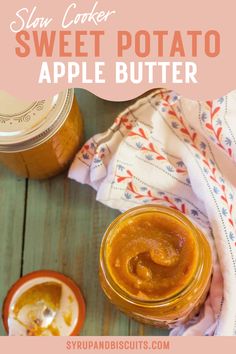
<point>57,224</point>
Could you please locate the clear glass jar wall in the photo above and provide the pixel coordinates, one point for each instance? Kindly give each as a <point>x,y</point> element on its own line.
<point>166,310</point>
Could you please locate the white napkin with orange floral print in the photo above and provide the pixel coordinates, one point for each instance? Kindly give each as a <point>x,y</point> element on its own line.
<point>173,151</point>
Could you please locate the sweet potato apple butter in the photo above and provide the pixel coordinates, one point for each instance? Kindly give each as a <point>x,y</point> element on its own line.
<point>43,303</point>
<point>36,308</point>
<point>155,265</point>
<point>48,293</point>
<point>39,139</point>
<point>152,255</point>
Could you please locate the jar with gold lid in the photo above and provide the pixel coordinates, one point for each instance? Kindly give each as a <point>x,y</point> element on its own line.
<point>39,139</point>
<point>155,265</point>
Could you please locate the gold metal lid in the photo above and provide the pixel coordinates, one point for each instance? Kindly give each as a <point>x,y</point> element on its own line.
<point>24,125</point>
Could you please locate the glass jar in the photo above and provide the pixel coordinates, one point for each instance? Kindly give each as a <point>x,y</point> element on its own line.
<point>38,140</point>
<point>170,310</point>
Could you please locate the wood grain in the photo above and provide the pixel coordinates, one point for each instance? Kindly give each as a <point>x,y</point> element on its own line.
<point>64,227</point>
<point>67,224</point>
<point>12,191</point>
<point>57,224</point>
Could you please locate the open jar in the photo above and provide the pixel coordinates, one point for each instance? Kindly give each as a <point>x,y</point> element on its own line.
<point>39,139</point>
<point>44,303</point>
<point>155,265</point>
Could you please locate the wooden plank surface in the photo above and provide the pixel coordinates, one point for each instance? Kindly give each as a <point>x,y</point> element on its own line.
<point>12,192</point>
<point>63,229</point>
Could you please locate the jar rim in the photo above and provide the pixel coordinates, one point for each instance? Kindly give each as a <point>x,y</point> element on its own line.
<point>173,297</point>
<point>54,276</point>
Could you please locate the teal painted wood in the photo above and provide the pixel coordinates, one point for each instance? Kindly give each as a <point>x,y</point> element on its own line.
<point>101,114</point>
<point>12,192</point>
<point>137,329</point>
<point>98,114</point>
<point>63,229</point>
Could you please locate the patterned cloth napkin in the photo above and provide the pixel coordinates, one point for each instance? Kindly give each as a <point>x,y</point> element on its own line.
<point>180,153</point>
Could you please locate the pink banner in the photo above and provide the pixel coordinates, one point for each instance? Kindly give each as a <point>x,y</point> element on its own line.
<point>117,49</point>
<point>117,345</point>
